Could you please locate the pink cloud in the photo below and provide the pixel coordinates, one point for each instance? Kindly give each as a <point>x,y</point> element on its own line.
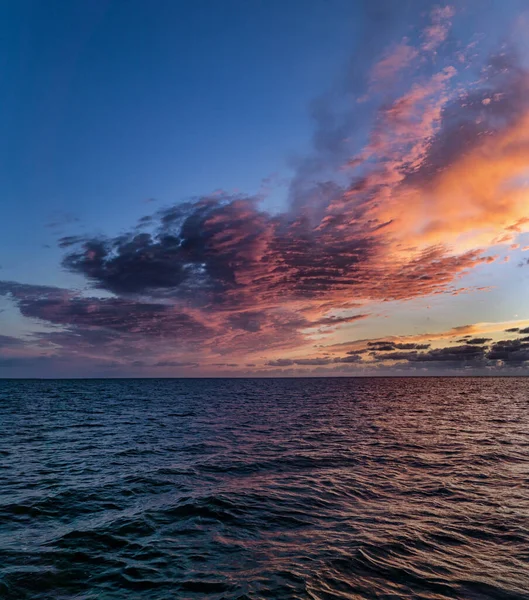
<point>397,59</point>
<point>436,33</point>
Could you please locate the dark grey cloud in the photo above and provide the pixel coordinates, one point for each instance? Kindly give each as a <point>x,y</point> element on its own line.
<point>176,364</point>
<point>198,248</point>
<point>311,362</point>
<point>349,359</point>
<point>69,240</point>
<point>474,353</point>
<point>456,355</point>
<point>452,354</point>
<point>288,362</point>
<point>389,345</point>
<point>134,265</point>
<point>478,341</point>
<point>510,351</point>
<point>381,346</point>
<point>333,321</point>
<point>281,362</point>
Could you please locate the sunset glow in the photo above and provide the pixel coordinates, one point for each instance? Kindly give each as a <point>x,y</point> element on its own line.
<point>395,244</point>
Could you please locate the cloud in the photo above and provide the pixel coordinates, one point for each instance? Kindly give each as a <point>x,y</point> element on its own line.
<point>510,351</point>
<point>336,114</point>
<point>397,59</point>
<point>437,32</point>
<point>470,355</point>
<point>474,353</point>
<point>455,354</point>
<point>63,307</point>
<point>478,341</point>
<point>388,345</point>
<point>288,362</point>
<point>432,189</point>
<point>334,321</point>
<point>349,359</point>
<point>360,346</point>
<point>175,363</point>
<point>435,186</point>
<point>228,254</point>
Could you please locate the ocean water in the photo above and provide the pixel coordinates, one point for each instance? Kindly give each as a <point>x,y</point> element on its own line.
<point>279,488</point>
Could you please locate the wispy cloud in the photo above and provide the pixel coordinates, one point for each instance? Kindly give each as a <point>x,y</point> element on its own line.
<point>436,33</point>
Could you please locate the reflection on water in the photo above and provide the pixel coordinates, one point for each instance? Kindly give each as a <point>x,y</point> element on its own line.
<point>308,488</point>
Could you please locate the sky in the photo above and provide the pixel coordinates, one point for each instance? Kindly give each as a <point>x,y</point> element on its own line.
<point>264,188</point>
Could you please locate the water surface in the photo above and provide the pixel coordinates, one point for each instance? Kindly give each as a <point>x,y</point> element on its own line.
<point>246,489</point>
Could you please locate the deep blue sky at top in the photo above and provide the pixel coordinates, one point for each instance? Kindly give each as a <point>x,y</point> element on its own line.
<point>105,104</point>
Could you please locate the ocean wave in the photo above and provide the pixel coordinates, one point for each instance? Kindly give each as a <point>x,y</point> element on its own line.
<point>294,490</point>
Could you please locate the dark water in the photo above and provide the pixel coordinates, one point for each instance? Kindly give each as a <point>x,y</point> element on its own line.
<point>322,489</point>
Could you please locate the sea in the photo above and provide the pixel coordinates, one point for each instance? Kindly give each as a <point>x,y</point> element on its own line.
<point>337,488</point>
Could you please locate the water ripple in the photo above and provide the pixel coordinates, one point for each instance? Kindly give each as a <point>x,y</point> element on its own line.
<point>250,489</point>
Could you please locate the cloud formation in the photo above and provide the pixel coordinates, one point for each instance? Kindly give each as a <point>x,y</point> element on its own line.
<point>478,354</point>
<point>437,187</point>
